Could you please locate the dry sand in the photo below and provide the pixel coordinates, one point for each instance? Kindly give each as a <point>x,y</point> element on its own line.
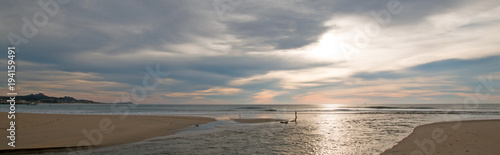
<point>465,137</point>
<point>56,130</point>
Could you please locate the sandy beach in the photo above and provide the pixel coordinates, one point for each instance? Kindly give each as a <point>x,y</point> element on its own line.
<point>466,137</point>
<point>57,130</point>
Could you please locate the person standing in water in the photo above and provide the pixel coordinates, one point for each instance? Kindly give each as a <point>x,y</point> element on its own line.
<point>295,120</point>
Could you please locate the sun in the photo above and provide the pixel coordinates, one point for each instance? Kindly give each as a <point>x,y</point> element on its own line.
<point>327,48</point>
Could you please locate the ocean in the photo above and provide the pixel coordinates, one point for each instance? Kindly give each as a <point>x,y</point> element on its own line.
<point>320,129</point>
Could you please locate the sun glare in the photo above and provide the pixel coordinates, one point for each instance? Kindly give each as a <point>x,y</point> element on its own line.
<point>327,48</point>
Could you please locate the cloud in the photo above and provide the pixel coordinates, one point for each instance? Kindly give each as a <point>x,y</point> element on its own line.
<point>377,91</point>
<point>294,79</point>
<point>208,92</point>
<point>439,82</point>
<point>266,96</point>
<point>394,48</point>
<point>258,47</point>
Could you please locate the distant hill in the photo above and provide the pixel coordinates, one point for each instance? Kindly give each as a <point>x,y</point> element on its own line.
<point>42,98</point>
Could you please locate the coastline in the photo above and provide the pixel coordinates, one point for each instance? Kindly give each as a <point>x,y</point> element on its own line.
<point>458,137</point>
<point>38,131</point>
<point>307,124</point>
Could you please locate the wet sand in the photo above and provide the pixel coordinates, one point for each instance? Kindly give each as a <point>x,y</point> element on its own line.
<point>465,137</point>
<point>258,120</point>
<point>35,131</point>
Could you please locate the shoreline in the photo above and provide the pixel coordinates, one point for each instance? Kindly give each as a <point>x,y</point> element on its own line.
<point>256,120</point>
<point>46,131</point>
<point>457,137</point>
<point>36,132</point>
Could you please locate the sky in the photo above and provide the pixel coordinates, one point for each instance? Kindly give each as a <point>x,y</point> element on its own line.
<point>256,52</point>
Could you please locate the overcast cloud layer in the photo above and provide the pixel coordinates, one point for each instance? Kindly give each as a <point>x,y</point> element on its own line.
<point>246,52</point>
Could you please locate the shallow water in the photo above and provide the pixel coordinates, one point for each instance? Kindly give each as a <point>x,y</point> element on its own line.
<point>320,129</point>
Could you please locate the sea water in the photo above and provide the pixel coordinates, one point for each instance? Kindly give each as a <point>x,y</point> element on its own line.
<point>320,129</point>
